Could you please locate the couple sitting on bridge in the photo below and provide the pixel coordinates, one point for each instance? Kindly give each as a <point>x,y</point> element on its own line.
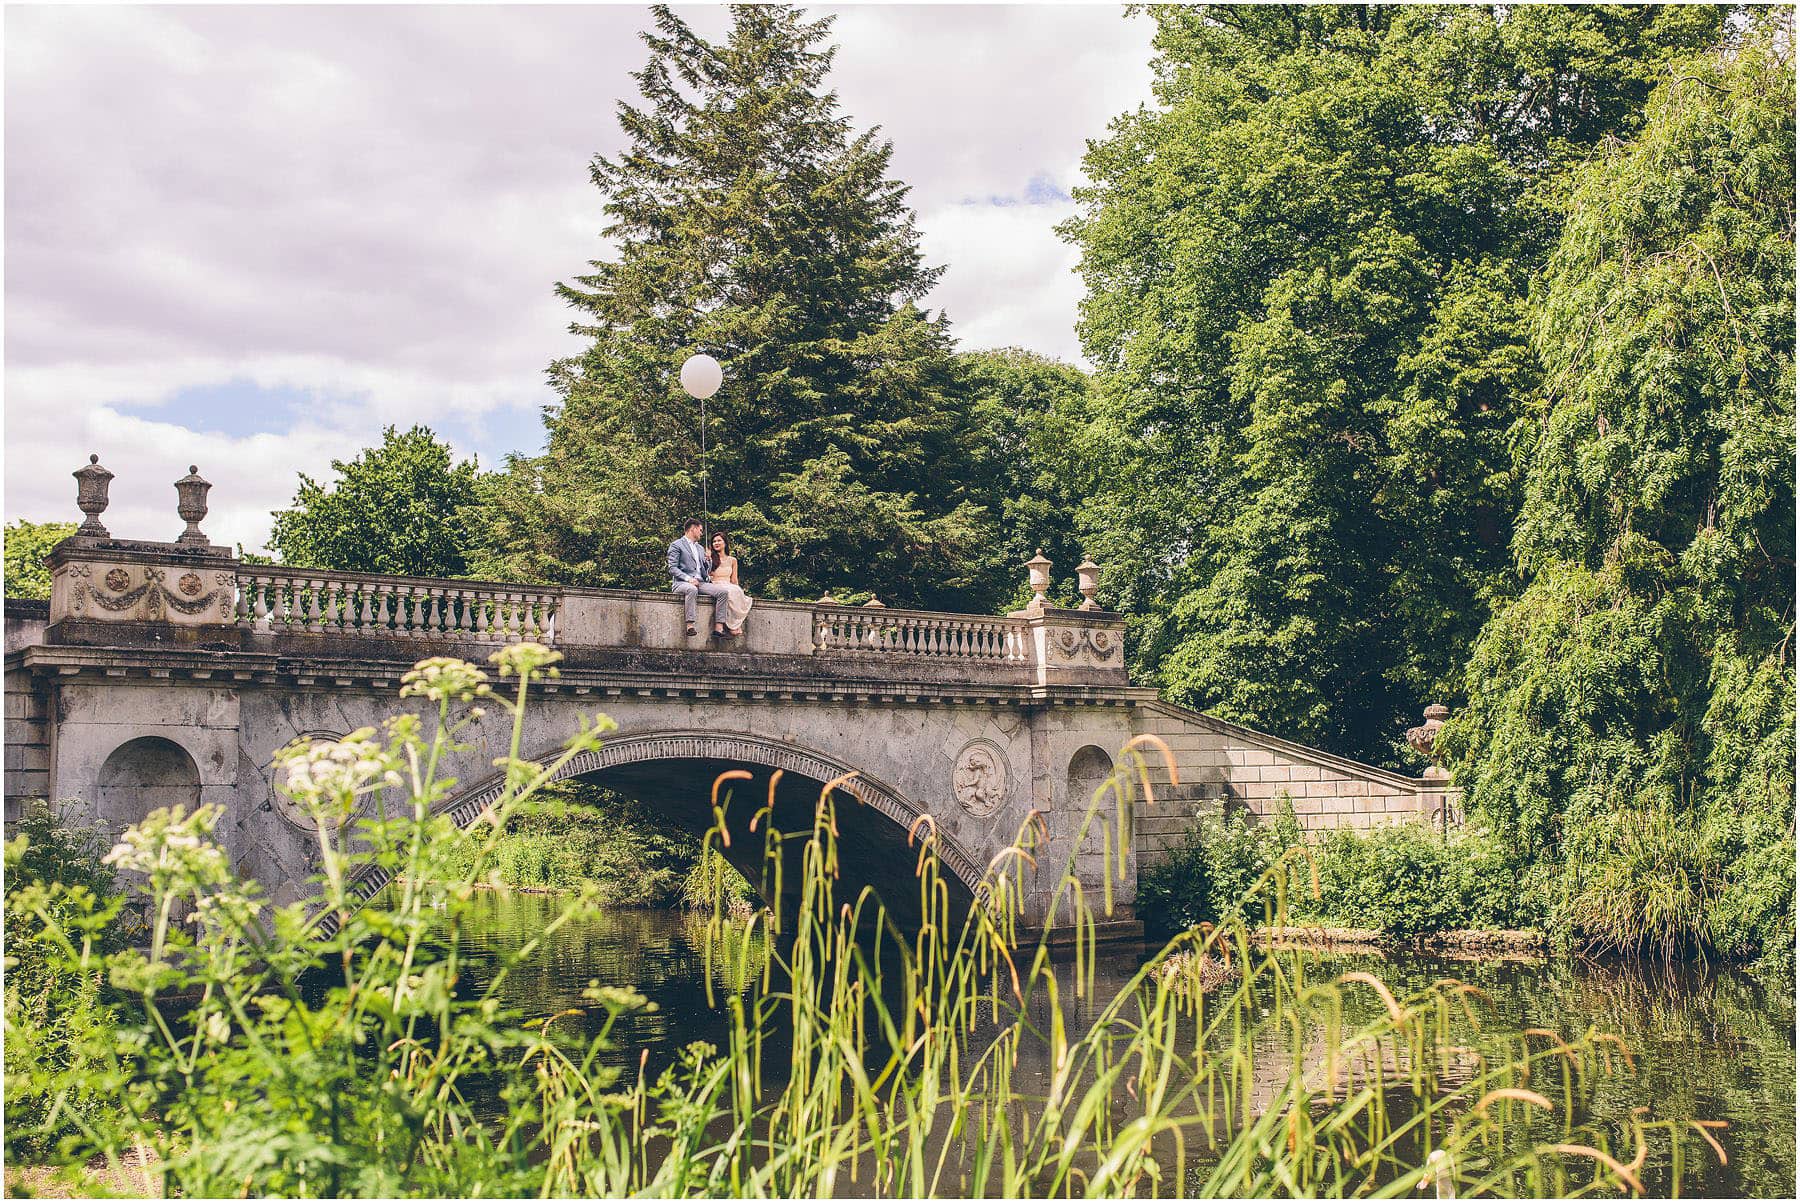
<point>692,571</point>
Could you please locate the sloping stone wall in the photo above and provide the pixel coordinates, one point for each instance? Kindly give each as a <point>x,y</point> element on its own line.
<point>1222,764</point>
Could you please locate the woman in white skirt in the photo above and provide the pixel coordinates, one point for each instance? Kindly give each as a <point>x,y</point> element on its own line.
<point>734,607</point>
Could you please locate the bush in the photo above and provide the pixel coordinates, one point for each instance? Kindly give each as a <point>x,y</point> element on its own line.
<point>1408,881</point>
<point>1403,879</point>
<point>62,912</point>
<point>1207,875</point>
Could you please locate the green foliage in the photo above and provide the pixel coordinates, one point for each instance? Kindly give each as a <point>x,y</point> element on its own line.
<point>1402,879</point>
<point>1021,465</point>
<point>326,1049</point>
<point>1631,710</point>
<point>397,508</point>
<point>1307,268</point>
<point>751,222</point>
<point>62,914</point>
<point>1408,881</point>
<point>26,545</point>
<point>573,836</point>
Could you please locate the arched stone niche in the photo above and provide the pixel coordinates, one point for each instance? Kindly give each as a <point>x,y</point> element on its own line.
<point>1088,770</point>
<point>142,775</point>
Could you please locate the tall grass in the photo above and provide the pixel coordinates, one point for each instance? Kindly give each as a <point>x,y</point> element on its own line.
<point>328,1050</point>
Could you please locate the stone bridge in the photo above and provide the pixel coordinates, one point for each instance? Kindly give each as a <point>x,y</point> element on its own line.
<point>161,673</point>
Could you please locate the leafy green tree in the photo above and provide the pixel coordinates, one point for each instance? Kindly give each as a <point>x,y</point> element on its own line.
<point>751,222</point>
<point>1307,267</point>
<point>399,508</point>
<point>27,543</point>
<point>1026,412</point>
<point>1631,711</point>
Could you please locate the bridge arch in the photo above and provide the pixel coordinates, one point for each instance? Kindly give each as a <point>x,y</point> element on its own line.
<point>622,762</point>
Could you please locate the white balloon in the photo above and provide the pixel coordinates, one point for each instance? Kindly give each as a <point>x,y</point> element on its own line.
<point>701,376</point>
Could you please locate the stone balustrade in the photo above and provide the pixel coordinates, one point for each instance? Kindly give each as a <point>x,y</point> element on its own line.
<point>919,633</point>
<point>287,600</point>
<point>108,592</point>
<point>119,593</point>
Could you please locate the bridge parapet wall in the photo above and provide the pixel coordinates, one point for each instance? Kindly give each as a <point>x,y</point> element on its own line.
<point>116,593</point>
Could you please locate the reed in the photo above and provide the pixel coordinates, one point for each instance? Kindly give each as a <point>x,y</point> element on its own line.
<point>330,1050</point>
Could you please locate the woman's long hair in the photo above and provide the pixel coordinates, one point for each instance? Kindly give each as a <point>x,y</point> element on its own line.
<point>718,535</point>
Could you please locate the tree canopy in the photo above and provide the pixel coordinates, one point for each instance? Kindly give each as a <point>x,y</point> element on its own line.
<point>751,222</point>
<point>397,508</point>
<point>1307,267</point>
<point>27,543</point>
<point>1631,710</point>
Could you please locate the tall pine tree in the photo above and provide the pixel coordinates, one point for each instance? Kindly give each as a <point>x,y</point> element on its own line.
<point>751,223</point>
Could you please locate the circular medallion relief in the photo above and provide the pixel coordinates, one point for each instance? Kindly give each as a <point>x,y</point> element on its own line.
<point>979,780</point>
<point>190,584</point>
<point>294,812</point>
<point>118,580</point>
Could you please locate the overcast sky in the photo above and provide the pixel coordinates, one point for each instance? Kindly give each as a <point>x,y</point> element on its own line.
<point>249,238</point>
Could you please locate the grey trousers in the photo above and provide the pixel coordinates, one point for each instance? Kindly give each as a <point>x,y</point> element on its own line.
<point>690,591</point>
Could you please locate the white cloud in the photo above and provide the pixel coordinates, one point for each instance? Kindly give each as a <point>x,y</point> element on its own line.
<point>370,206</point>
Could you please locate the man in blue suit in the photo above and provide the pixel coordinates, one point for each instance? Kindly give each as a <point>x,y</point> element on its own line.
<point>690,575</point>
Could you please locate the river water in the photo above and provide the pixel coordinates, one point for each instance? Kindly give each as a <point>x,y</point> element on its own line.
<point>1709,1043</point>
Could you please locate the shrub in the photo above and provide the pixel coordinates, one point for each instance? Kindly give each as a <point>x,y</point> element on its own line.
<point>62,917</point>
<point>1207,875</point>
<point>1404,879</point>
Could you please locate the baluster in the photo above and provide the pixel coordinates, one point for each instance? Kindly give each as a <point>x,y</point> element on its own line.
<point>365,615</point>
<point>307,603</point>
<point>962,640</point>
<point>551,606</point>
<point>336,598</point>
<point>459,621</point>
<point>509,631</point>
<point>433,618</point>
<point>259,609</point>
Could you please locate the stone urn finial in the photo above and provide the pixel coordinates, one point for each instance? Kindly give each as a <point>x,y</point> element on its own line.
<point>190,503</point>
<point>91,484</point>
<point>1087,573</point>
<point>1423,738</point>
<point>1039,568</point>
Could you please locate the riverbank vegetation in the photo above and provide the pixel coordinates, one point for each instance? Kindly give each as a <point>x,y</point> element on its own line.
<point>573,837</point>
<point>1404,880</point>
<point>328,1050</point>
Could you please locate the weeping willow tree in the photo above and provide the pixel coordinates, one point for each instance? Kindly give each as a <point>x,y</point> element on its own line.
<point>1631,713</point>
